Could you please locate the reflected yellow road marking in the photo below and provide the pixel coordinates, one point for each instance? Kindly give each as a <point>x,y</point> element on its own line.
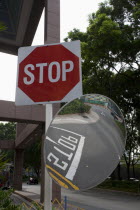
<point>58,181</point>
<point>70,183</point>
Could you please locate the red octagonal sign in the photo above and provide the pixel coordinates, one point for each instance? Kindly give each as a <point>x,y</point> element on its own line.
<point>49,73</point>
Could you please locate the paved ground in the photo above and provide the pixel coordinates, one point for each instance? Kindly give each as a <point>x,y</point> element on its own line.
<point>96,199</point>
<point>105,200</point>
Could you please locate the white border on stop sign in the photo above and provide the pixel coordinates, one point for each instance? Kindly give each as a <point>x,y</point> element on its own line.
<point>23,52</point>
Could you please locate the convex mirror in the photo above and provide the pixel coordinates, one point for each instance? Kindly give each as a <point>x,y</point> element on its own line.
<point>85,142</point>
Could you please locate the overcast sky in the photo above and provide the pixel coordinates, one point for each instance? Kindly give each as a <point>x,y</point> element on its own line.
<point>74,14</point>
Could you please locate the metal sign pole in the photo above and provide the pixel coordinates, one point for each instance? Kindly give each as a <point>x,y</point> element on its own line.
<point>48,118</point>
<point>48,180</point>
<point>50,22</point>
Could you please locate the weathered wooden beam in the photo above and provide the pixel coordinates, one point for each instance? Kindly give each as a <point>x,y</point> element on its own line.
<point>29,133</point>
<point>30,119</point>
<point>34,114</point>
<point>7,144</point>
<point>27,114</point>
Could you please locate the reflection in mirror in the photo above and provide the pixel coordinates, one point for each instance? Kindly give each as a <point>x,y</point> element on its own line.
<point>85,142</point>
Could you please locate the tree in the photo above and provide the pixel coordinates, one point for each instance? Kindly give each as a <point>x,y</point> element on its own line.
<point>8,132</point>
<point>6,201</point>
<point>110,48</point>
<point>32,157</point>
<point>131,154</point>
<point>111,59</point>
<point>135,160</point>
<point>2,162</point>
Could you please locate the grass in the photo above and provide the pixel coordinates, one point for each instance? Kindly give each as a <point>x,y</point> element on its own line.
<point>121,126</point>
<point>124,185</point>
<point>137,166</point>
<point>75,107</point>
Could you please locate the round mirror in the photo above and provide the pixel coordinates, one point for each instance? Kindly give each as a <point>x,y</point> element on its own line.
<point>85,142</point>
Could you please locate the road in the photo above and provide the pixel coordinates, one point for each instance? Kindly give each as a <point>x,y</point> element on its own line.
<point>96,199</point>
<point>84,149</point>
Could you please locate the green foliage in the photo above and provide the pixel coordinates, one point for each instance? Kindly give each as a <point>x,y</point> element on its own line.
<point>2,162</point>
<point>6,202</point>
<point>110,53</point>
<point>127,186</point>
<point>111,61</point>
<point>121,126</point>
<point>8,132</point>
<point>132,155</point>
<point>3,27</point>
<point>110,47</point>
<point>74,107</point>
<point>32,157</point>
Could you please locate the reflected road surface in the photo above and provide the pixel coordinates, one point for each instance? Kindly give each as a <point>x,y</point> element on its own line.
<point>99,153</point>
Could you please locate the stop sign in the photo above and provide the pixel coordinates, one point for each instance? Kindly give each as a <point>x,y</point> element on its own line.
<point>49,73</point>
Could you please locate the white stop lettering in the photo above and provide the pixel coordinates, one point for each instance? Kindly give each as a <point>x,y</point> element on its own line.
<point>67,66</point>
